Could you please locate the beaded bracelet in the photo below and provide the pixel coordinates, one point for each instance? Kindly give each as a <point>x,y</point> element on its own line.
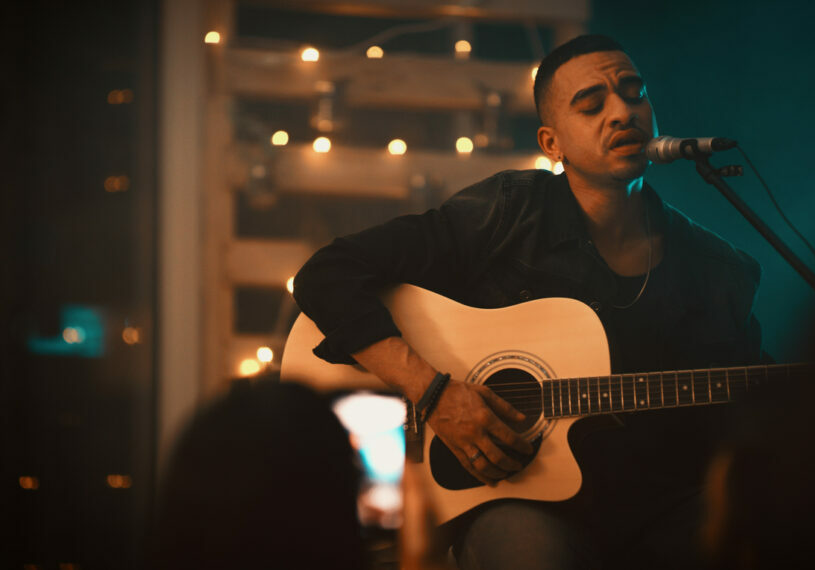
<point>427,403</point>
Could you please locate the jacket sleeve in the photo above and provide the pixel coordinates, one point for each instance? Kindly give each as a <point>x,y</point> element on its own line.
<point>339,287</point>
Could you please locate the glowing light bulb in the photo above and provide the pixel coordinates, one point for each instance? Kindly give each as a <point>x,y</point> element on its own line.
<point>29,483</point>
<point>463,48</point>
<point>290,284</point>
<point>116,481</point>
<point>310,54</point>
<point>131,335</point>
<point>212,38</point>
<point>321,144</point>
<point>397,146</point>
<point>558,169</point>
<point>73,335</point>
<point>534,72</point>
<point>375,52</point>
<point>280,138</point>
<point>543,163</point>
<point>249,367</point>
<point>464,145</point>
<point>265,354</point>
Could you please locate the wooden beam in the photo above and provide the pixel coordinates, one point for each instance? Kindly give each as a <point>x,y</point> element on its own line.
<point>507,10</point>
<point>375,173</point>
<point>395,81</point>
<point>265,262</point>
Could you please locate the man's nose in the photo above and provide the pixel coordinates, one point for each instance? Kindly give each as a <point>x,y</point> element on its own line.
<point>621,112</point>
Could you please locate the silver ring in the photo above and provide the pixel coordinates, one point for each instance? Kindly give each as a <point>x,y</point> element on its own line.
<point>475,456</point>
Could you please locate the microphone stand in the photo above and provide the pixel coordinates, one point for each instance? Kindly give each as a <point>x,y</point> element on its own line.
<point>713,177</point>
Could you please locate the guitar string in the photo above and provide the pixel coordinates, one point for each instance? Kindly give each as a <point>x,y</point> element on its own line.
<point>695,375</point>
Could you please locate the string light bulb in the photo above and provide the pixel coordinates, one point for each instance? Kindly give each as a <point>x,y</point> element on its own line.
<point>265,354</point>
<point>73,335</point>
<point>310,54</point>
<point>29,483</point>
<point>248,367</point>
<point>290,284</point>
<point>280,138</point>
<point>322,144</point>
<point>375,52</point>
<point>464,145</point>
<point>558,168</point>
<point>212,37</point>
<point>463,49</point>
<point>397,146</point>
<point>534,72</point>
<point>131,335</point>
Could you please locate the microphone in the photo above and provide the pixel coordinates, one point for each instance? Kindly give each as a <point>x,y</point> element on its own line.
<point>667,149</point>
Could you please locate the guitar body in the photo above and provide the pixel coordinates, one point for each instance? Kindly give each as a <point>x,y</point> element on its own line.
<point>521,347</point>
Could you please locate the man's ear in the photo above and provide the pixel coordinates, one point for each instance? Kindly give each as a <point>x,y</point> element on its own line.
<point>548,141</point>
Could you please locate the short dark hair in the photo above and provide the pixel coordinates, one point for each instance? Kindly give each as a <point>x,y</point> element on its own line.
<point>580,45</point>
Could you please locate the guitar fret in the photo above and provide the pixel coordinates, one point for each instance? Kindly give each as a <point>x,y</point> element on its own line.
<point>662,389</point>
<point>692,389</point>
<point>676,385</point>
<point>718,390</point>
<point>640,392</point>
<point>654,391</point>
<point>559,395</point>
<point>727,381</point>
<point>585,402</point>
<point>684,388</point>
<point>603,392</point>
<point>546,403</point>
<point>629,393</point>
<point>569,388</point>
<point>574,395</point>
<point>700,390</point>
<point>709,388</point>
<point>669,391</point>
<point>557,403</point>
<point>615,390</point>
<point>594,395</point>
<point>598,394</point>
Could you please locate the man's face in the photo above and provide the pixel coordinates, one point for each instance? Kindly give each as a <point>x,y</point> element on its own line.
<point>600,118</point>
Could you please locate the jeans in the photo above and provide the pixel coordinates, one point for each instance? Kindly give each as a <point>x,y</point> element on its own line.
<point>521,535</point>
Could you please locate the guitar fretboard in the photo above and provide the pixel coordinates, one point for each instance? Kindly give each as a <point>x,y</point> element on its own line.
<point>571,397</point>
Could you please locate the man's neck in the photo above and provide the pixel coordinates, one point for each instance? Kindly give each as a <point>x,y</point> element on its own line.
<point>614,212</point>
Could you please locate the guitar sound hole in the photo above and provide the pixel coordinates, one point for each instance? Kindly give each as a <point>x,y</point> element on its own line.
<point>521,390</point>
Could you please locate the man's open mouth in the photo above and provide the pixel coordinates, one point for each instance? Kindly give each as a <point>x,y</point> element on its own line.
<point>631,140</point>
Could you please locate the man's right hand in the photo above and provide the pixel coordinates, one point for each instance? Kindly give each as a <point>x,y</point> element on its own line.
<point>472,421</point>
<point>469,418</point>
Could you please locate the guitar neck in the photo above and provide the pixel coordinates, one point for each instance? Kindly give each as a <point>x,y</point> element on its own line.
<point>574,397</point>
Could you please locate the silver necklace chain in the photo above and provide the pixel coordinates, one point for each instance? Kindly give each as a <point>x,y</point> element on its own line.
<point>650,255</point>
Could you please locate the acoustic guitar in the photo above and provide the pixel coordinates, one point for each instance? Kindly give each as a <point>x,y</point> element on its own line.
<point>548,357</point>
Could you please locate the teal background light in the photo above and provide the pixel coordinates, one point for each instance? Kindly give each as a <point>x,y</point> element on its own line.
<point>89,324</point>
<point>742,70</point>
<point>378,453</point>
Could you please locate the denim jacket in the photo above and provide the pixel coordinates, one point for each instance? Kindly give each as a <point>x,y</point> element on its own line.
<point>520,235</point>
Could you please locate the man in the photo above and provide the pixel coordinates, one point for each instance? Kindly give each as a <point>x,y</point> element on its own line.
<point>670,294</point>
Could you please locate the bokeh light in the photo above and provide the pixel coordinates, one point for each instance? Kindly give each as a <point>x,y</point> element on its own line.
<point>280,138</point>
<point>322,144</point>
<point>397,146</point>
<point>310,54</point>
<point>464,145</point>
